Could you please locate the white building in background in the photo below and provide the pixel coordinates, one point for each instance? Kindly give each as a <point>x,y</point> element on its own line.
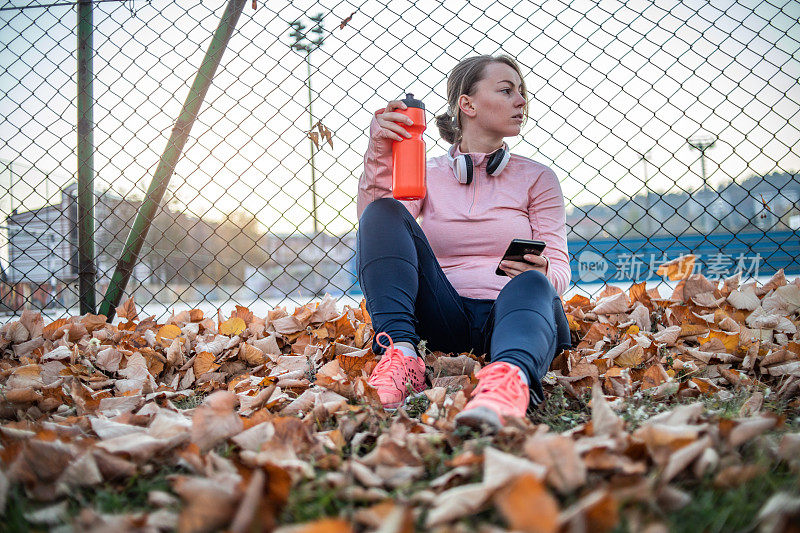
<point>43,243</point>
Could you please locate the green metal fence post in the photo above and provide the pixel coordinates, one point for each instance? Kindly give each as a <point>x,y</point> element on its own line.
<point>172,152</point>
<point>86,269</point>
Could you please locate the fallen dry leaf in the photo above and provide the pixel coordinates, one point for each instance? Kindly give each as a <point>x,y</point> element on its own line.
<point>527,506</point>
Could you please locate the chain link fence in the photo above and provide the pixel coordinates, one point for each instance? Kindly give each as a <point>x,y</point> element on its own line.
<point>672,125</point>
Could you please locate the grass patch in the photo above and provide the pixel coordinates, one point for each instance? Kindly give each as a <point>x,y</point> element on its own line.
<point>189,402</point>
<point>713,510</point>
<point>314,500</point>
<point>560,411</point>
<point>126,496</point>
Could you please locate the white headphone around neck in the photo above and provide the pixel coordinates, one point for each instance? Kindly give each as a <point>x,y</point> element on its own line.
<point>462,164</point>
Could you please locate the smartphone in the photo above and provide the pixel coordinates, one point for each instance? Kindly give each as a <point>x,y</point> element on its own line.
<point>518,248</point>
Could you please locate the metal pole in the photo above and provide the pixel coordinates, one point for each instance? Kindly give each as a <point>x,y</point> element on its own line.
<point>86,269</point>
<point>172,152</point>
<point>311,142</point>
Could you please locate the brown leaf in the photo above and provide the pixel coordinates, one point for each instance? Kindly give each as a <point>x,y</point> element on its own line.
<point>93,322</point>
<point>749,428</point>
<point>314,136</point>
<point>344,21</point>
<point>566,471</point>
<point>617,303</point>
<point>50,330</point>
<point>729,340</point>
<point>454,366</point>
<point>210,503</point>
<point>697,284</point>
<point>598,512</point>
<point>243,313</point>
<point>677,269</point>
<point>127,311</point>
<point>108,359</point>
<point>324,525</point>
<point>33,323</point>
<point>737,475</point>
<point>204,362</point>
<point>352,363</point>
<point>251,355</point>
<point>527,505</point>
<point>638,293</point>
<point>662,439</point>
<point>631,357</point>
<point>215,420</point>
<point>683,457</point>
<point>654,376</point>
<point>604,420</point>
<point>500,467</point>
<point>460,501</point>
<point>16,332</point>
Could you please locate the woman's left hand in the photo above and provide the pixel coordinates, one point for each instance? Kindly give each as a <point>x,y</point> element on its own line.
<point>534,262</point>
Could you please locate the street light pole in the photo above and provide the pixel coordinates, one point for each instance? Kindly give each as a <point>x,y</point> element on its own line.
<point>299,36</point>
<point>702,144</point>
<point>643,157</point>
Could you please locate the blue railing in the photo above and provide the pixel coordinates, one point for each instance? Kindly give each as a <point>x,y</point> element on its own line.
<point>717,255</point>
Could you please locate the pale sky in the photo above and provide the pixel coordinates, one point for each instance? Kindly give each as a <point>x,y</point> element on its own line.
<point>607,81</point>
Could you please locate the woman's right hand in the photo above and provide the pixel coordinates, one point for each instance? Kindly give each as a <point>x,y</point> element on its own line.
<point>390,122</point>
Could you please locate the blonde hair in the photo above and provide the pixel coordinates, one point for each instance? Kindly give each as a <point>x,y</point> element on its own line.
<point>462,80</point>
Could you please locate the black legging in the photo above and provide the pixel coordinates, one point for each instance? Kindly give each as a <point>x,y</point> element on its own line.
<point>409,297</point>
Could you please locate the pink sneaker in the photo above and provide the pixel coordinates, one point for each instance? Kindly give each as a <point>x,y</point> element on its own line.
<point>394,373</point>
<point>500,393</point>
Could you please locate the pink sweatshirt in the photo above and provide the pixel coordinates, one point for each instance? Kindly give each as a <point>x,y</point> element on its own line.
<point>470,226</point>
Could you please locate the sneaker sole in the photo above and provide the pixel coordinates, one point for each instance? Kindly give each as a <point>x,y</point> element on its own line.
<point>480,418</point>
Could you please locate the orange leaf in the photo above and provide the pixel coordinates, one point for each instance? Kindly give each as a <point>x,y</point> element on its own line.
<point>705,386</point>
<point>93,322</point>
<point>326,525</point>
<point>528,506</point>
<point>638,292</point>
<point>362,335</point>
<point>677,269</point>
<point>196,315</point>
<point>364,313</point>
<point>688,330</point>
<point>343,326</point>
<point>53,327</point>
<point>730,340</point>
<point>232,326</point>
<point>204,362</point>
<point>598,331</point>
<point>578,301</point>
<point>167,334</point>
<point>128,310</point>
<point>653,376</point>
<point>243,313</point>
<point>353,364</point>
<point>251,354</point>
<point>321,333</point>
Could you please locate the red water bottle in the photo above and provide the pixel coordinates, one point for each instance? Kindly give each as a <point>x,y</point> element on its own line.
<point>408,155</point>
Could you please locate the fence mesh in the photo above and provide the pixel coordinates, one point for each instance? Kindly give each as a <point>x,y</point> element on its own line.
<point>672,125</point>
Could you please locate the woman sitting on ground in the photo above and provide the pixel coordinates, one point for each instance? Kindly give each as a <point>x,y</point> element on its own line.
<point>436,280</point>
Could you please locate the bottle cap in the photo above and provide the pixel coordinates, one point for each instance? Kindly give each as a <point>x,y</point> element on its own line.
<point>410,101</point>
